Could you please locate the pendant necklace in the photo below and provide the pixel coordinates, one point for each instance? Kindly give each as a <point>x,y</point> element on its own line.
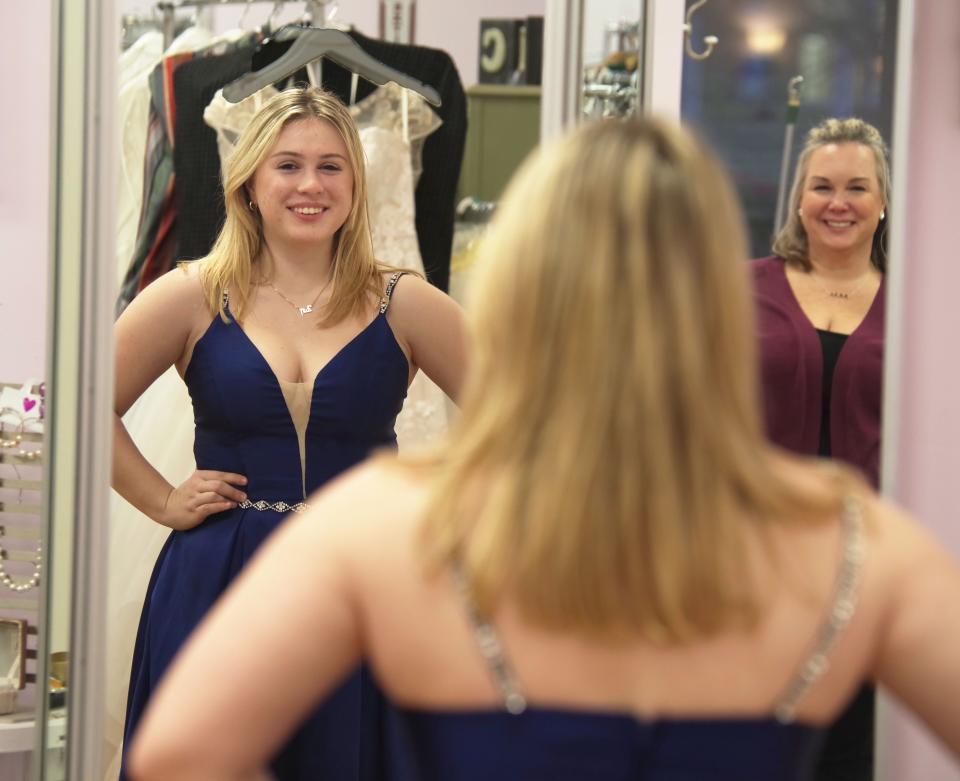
<point>840,294</point>
<point>303,310</point>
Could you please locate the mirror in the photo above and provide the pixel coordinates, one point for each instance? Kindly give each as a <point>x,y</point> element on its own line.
<point>737,97</point>
<point>482,58</point>
<point>613,50</point>
<point>502,105</point>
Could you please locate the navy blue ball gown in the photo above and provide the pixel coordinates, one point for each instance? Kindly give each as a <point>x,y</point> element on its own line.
<point>246,423</point>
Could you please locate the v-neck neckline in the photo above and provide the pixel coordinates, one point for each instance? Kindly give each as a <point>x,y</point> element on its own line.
<point>311,383</point>
<point>806,317</point>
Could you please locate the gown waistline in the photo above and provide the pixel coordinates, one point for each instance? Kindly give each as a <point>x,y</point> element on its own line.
<point>280,507</point>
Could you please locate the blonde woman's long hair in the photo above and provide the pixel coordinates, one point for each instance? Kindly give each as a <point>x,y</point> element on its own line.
<point>791,243</point>
<point>610,457</point>
<point>230,264</point>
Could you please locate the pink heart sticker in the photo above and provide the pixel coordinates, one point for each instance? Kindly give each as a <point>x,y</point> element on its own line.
<point>29,404</point>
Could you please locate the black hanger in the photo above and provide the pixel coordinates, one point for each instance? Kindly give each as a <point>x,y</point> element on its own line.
<point>314,43</point>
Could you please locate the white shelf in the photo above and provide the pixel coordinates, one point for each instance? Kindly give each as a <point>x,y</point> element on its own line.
<point>18,731</point>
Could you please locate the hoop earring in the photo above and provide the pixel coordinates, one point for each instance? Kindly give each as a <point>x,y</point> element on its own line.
<point>251,206</point>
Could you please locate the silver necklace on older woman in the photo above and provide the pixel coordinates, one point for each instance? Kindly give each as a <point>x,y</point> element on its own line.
<point>841,294</point>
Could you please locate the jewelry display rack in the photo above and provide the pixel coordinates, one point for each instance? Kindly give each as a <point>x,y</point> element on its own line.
<point>21,523</point>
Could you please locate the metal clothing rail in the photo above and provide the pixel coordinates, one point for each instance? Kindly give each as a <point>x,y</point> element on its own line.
<point>316,11</point>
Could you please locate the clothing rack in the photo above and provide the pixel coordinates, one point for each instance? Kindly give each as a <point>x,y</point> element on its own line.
<point>604,99</point>
<point>315,12</point>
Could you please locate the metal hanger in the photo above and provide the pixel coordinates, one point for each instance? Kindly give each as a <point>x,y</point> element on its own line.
<point>313,44</point>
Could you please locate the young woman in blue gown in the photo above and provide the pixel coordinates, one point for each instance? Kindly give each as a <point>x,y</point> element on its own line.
<point>297,348</point>
<point>608,573</point>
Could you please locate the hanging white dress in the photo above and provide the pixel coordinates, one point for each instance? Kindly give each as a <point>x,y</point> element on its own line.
<point>133,111</point>
<point>160,422</point>
<point>392,136</point>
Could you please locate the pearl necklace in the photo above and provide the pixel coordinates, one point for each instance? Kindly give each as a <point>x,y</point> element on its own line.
<point>33,580</point>
<point>24,585</point>
<point>26,455</point>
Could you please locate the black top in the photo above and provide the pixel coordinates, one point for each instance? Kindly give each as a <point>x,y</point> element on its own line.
<point>832,343</point>
<point>848,750</point>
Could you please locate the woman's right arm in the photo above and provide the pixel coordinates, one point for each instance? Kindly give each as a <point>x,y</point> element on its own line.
<point>918,659</point>
<point>155,331</point>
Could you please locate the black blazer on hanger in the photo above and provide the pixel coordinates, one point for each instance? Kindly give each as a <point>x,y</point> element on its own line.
<point>196,160</point>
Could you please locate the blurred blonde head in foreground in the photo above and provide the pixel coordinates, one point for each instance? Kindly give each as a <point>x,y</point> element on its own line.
<point>611,423</point>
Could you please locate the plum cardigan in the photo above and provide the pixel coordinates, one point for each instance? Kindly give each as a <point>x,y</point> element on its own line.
<point>791,368</point>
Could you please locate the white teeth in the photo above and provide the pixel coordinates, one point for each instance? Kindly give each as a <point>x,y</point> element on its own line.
<point>833,224</point>
<point>306,210</point>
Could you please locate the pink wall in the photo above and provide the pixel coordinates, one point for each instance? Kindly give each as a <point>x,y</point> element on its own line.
<point>927,460</point>
<point>25,191</point>
<point>455,27</point>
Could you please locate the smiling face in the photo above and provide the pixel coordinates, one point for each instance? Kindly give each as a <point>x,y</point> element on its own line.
<point>841,200</point>
<point>303,189</point>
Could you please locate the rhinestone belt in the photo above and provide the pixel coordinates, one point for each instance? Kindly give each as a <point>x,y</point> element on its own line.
<point>280,507</point>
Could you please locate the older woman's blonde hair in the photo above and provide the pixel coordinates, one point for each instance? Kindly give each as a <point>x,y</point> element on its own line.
<point>610,458</point>
<point>791,243</point>
<point>229,266</point>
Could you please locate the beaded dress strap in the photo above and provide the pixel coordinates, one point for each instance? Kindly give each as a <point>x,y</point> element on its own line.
<point>513,701</point>
<point>842,608</point>
<point>391,284</point>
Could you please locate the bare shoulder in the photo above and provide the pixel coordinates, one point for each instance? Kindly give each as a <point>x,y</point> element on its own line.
<point>412,295</point>
<point>178,292</point>
<point>156,331</point>
<point>901,549</point>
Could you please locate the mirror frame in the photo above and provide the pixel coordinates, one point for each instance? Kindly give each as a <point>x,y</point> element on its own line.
<point>79,372</point>
<point>80,356</point>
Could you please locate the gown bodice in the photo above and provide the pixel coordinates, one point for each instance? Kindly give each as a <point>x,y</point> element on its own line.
<point>287,439</point>
<point>567,745</point>
<point>244,423</point>
<point>521,741</point>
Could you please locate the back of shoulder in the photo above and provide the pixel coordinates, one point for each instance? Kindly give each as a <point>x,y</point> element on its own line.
<point>901,551</point>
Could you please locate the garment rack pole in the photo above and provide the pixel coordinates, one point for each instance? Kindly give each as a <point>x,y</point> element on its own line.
<point>316,9</point>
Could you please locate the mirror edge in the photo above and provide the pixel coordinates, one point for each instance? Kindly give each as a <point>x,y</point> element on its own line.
<point>80,368</point>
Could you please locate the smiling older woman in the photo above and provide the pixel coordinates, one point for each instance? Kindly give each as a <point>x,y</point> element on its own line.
<point>820,321</point>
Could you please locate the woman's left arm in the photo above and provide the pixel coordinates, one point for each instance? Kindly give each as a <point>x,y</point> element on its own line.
<point>432,326</point>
